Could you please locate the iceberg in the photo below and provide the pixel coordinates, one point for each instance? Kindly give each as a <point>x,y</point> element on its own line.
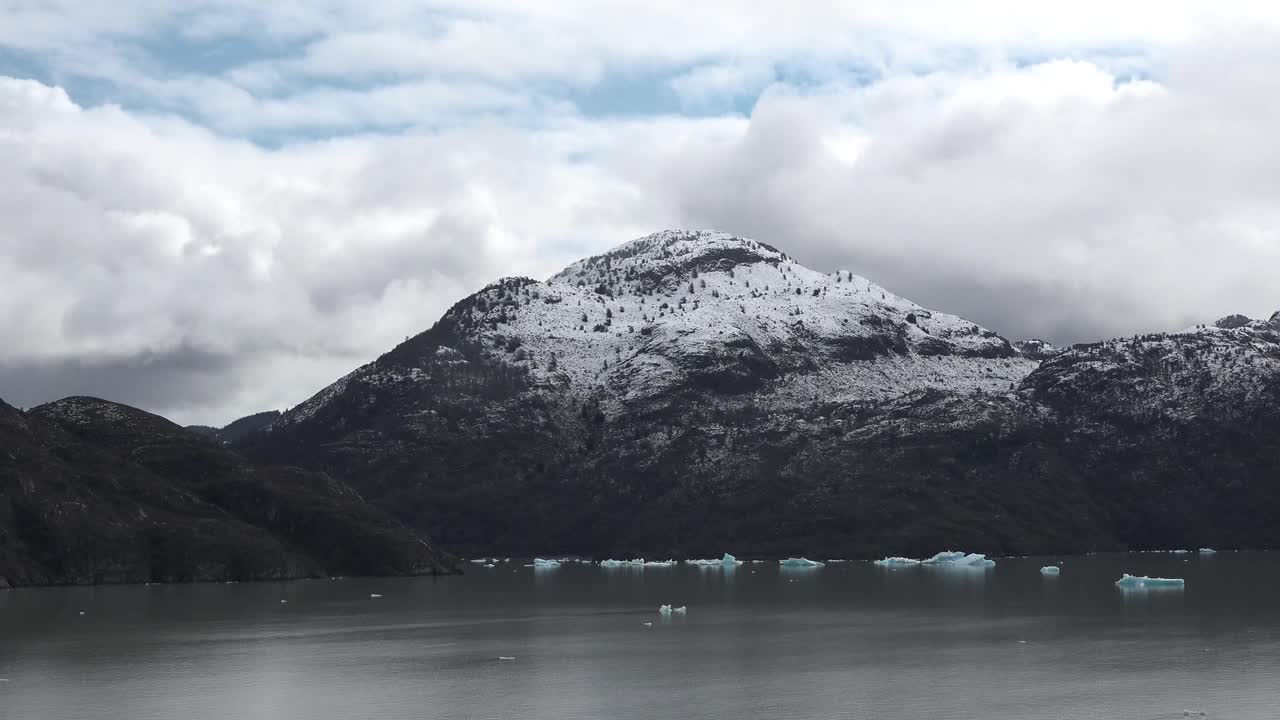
<point>374,595</point>
<point>897,562</point>
<point>660,563</point>
<point>680,610</point>
<point>951,558</point>
<point>1179,552</point>
<point>664,610</point>
<point>545,564</point>
<point>1050,570</point>
<point>800,563</point>
<point>728,561</point>
<point>1135,582</point>
<point>488,565</point>
<point>1208,551</point>
<point>608,564</point>
<point>480,561</point>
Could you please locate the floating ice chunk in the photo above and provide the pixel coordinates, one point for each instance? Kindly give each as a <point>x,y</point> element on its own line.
<point>728,561</point>
<point>648,624</point>
<point>1134,582</point>
<point>799,563</point>
<point>481,561</point>
<point>506,657</point>
<point>374,595</point>
<point>489,565</point>
<point>1050,570</point>
<point>833,560</point>
<point>664,610</point>
<point>952,558</point>
<point>281,602</point>
<point>897,562</point>
<point>547,564</point>
<point>660,563</point>
<point>680,610</point>
<point>82,612</point>
<point>1194,713</point>
<point>1179,552</point>
<point>1208,551</point>
<point>621,563</point>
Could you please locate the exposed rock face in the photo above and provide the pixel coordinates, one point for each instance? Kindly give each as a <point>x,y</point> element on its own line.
<point>689,392</point>
<point>96,492</point>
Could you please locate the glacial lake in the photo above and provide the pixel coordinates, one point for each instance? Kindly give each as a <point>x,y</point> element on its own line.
<point>848,640</point>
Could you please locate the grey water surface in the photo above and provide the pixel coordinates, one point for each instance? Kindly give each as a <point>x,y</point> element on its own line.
<point>848,640</point>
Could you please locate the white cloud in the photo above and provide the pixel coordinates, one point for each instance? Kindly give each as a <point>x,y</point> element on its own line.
<point>999,161</point>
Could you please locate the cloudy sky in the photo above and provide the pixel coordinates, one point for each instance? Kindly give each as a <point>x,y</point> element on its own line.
<point>214,207</point>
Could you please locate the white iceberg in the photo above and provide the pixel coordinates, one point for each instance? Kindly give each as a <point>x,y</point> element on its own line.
<point>800,563</point>
<point>608,564</point>
<point>952,558</point>
<point>680,610</point>
<point>664,610</point>
<point>660,563</point>
<point>374,595</point>
<point>488,565</point>
<point>545,564</point>
<point>1208,551</point>
<point>1050,570</point>
<point>479,561</point>
<point>505,657</point>
<point>728,561</point>
<point>1179,552</point>
<point>1135,582</point>
<point>897,562</point>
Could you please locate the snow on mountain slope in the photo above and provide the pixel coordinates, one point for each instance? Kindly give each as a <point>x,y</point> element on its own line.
<point>1225,369</point>
<point>714,312</point>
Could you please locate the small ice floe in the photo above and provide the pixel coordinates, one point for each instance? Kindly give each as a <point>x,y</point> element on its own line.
<point>680,610</point>
<point>479,561</point>
<point>540,564</point>
<point>660,563</point>
<point>281,602</point>
<point>799,563</point>
<point>1208,551</point>
<point>648,624</point>
<point>728,561</point>
<point>664,610</point>
<point>374,595</point>
<point>897,562</point>
<point>952,558</point>
<point>834,560</point>
<point>1135,582</point>
<point>1050,570</point>
<point>1179,552</point>
<point>506,657</point>
<point>1194,713</point>
<point>614,564</point>
<point>489,565</point>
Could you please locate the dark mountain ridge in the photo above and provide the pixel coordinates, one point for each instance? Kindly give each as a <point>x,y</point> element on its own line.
<point>96,492</point>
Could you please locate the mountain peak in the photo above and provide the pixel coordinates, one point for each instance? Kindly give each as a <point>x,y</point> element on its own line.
<point>650,260</point>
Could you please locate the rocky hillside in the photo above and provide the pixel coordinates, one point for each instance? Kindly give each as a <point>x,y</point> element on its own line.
<point>95,492</point>
<point>239,429</point>
<point>688,392</point>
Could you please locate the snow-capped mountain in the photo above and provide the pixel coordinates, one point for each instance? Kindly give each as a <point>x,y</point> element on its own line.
<point>690,391</point>
<point>715,312</point>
